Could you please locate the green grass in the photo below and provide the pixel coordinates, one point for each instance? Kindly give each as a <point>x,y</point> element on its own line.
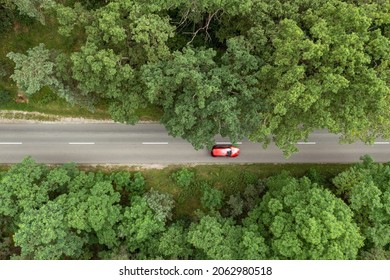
<point>230,179</point>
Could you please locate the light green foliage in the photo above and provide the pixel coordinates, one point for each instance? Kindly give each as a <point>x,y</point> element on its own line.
<point>34,70</point>
<point>139,224</point>
<point>161,203</point>
<point>21,189</point>
<point>216,237</point>
<point>43,234</point>
<point>253,244</point>
<point>304,221</point>
<point>368,193</point>
<point>173,243</point>
<point>320,72</point>
<point>32,8</point>
<point>121,180</point>
<point>93,209</point>
<point>99,71</point>
<point>183,177</point>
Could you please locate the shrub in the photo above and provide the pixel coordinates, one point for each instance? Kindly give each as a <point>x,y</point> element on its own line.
<point>183,177</point>
<point>138,183</point>
<point>5,96</point>
<point>211,198</point>
<point>161,203</point>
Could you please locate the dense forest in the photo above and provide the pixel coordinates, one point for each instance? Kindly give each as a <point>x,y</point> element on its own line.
<point>65,213</point>
<point>262,69</point>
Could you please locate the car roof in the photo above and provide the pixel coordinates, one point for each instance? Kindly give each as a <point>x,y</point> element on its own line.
<point>222,146</point>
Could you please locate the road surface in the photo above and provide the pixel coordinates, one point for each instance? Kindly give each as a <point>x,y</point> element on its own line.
<point>151,144</point>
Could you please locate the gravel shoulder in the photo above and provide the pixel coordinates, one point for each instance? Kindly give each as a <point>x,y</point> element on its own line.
<point>13,116</point>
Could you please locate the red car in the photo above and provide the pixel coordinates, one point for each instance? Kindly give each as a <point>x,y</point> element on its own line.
<point>225,151</point>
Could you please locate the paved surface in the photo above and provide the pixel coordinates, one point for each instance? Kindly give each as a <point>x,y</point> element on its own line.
<point>150,143</point>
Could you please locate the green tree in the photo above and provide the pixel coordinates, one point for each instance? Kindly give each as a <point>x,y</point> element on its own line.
<point>173,243</point>
<point>211,197</point>
<point>21,189</point>
<point>93,211</point>
<point>34,70</point>
<point>201,99</point>
<point>301,220</point>
<point>43,234</point>
<point>265,70</point>
<point>183,177</point>
<point>216,237</point>
<point>139,224</point>
<point>366,187</point>
<point>161,203</point>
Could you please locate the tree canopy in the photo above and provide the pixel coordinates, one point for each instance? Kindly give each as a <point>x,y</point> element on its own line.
<point>302,220</point>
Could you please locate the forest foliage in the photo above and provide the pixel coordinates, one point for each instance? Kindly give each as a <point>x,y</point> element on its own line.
<point>65,213</point>
<point>262,69</point>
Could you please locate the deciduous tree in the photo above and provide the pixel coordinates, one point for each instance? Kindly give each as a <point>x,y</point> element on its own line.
<point>301,220</point>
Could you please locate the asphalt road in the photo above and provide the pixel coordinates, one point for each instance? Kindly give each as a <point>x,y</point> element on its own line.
<point>150,143</point>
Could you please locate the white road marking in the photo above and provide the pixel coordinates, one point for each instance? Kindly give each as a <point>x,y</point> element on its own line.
<point>238,143</point>
<point>81,143</point>
<point>306,143</point>
<point>11,143</point>
<point>154,143</point>
<point>381,143</point>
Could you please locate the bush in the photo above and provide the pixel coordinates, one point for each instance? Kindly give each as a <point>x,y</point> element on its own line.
<point>236,205</point>
<point>183,177</point>
<point>5,96</point>
<point>315,176</point>
<point>6,19</point>
<point>120,180</point>
<point>44,96</point>
<point>211,198</point>
<point>161,203</point>
<point>138,183</point>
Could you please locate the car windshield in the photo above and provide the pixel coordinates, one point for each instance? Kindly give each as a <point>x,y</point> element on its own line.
<point>229,152</point>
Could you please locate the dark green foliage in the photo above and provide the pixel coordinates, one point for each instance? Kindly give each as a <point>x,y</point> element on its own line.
<point>6,19</point>
<point>315,176</point>
<point>236,205</point>
<point>44,96</point>
<point>375,254</point>
<point>5,96</point>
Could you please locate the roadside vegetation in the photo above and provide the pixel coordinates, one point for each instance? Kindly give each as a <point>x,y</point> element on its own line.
<point>283,212</point>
